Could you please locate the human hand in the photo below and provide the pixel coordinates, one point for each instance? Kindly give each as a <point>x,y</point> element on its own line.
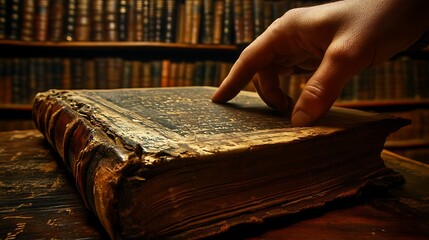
<point>335,40</point>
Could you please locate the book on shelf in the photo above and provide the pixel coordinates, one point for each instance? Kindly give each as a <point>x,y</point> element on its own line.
<point>111,20</point>
<point>42,20</point>
<point>168,163</point>
<point>3,19</point>
<point>57,12</point>
<point>28,18</point>
<point>123,14</point>
<point>70,20</point>
<point>83,27</point>
<point>97,20</point>
<point>13,9</point>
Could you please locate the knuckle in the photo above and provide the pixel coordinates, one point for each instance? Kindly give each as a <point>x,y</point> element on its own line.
<point>315,91</point>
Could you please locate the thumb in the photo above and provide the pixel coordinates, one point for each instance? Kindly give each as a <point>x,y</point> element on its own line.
<point>323,88</point>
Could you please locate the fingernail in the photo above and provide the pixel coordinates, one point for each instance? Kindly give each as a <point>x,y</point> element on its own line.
<point>301,119</point>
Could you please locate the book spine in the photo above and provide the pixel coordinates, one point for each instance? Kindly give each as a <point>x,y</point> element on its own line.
<point>181,22</point>
<point>219,9</point>
<point>97,20</point>
<point>90,74</point>
<point>16,80</point>
<point>57,73</point>
<point>136,74</point>
<point>70,20</point>
<point>165,73</point>
<point>209,73</point>
<point>227,33</point>
<point>77,73</point>
<point>189,74</point>
<point>111,21</point>
<point>49,82</point>
<point>56,20</point>
<point>2,81</point>
<point>126,74</point>
<point>40,71</point>
<point>131,20</point>
<point>66,78</point>
<point>42,20</point>
<point>248,21</point>
<point>173,74</point>
<point>268,16</point>
<point>14,18</point>
<point>87,152</point>
<point>138,26</point>
<point>170,20</point>
<point>208,22</point>
<point>82,28</point>
<point>238,21</point>
<point>101,73</point>
<point>3,19</point>
<point>258,17</point>
<point>196,21</point>
<point>32,78</point>
<point>114,72</point>
<point>159,25</point>
<point>181,74</point>
<point>7,74</point>
<point>156,71</point>
<point>199,73</point>
<point>123,20</point>
<point>28,18</point>
<point>147,74</point>
<point>146,20</point>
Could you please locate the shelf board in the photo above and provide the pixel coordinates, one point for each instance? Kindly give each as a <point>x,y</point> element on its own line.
<point>125,44</point>
<point>382,103</point>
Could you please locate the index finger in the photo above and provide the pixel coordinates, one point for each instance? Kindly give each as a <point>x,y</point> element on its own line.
<point>255,56</point>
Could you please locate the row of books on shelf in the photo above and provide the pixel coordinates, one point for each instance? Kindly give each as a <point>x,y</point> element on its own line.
<point>22,78</point>
<point>401,78</point>
<point>183,21</point>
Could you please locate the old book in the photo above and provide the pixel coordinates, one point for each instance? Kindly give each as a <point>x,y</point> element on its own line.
<point>167,163</point>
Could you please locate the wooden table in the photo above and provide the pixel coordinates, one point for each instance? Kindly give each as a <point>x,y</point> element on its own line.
<point>38,200</point>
